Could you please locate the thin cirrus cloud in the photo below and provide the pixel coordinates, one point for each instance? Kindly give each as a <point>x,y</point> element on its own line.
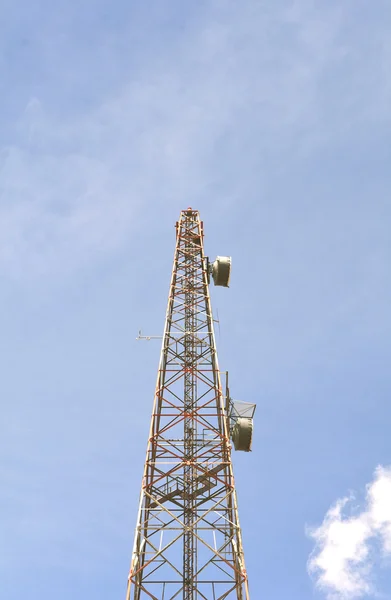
<point>244,84</point>
<point>347,548</point>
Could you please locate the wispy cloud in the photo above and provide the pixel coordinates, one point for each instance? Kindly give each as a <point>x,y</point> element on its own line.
<point>347,546</point>
<point>244,87</point>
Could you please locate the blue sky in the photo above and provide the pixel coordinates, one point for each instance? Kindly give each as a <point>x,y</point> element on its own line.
<point>274,120</point>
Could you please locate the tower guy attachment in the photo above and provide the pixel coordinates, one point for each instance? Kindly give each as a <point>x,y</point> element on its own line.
<point>188,543</point>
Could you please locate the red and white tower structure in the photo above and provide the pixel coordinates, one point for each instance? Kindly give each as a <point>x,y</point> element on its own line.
<point>188,542</point>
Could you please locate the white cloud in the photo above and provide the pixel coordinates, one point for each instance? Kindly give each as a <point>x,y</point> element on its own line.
<point>246,83</point>
<point>344,557</point>
<point>379,499</point>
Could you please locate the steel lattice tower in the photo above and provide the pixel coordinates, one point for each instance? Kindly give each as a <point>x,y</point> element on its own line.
<point>188,542</point>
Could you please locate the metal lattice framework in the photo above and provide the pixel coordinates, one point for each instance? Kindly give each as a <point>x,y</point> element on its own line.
<point>188,541</point>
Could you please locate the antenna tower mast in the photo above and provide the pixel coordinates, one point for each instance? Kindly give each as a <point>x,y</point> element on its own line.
<point>188,543</point>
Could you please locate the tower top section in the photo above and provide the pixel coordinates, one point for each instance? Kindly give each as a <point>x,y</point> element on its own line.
<point>186,227</point>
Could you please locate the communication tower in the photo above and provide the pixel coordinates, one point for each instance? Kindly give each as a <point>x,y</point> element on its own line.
<point>188,543</point>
